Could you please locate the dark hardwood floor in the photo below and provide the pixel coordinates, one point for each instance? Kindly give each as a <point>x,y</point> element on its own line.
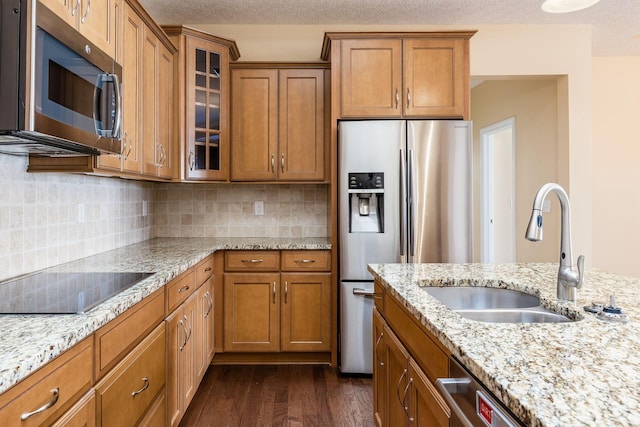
<point>281,395</point>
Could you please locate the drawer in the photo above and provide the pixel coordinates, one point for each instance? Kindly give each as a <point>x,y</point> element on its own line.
<point>306,261</point>
<point>119,336</point>
<point>252,261</point>
<point>127,392</point>
<point>82,414</point>
<point>378,296</point>
<point>179,289</point>
<point>204,270</point>
<point>70,375</point>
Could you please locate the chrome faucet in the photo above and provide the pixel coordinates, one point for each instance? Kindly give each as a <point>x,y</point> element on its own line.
<point>568,279</point>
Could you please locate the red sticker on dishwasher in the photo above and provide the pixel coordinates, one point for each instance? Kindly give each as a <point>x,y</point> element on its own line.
<point>485,411</point>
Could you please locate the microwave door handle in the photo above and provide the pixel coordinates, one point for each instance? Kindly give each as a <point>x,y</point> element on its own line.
<point>113,79</point>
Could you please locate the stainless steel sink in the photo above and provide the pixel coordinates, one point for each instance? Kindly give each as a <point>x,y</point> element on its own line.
<point>495,305</point>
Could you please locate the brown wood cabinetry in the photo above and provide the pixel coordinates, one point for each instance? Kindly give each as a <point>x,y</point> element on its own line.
<point>277,125</point>
<point>407,361</point>
<point>277,301</point>
<point>129,390</point>
<point>82,414</point>
<point>50,391</point>
<point>204,85</point>
<point>411,75</point>
<point>189,330</point>
<point>97,20</point>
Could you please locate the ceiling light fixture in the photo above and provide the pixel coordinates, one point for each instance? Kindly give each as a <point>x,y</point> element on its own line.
<point>565,6</point>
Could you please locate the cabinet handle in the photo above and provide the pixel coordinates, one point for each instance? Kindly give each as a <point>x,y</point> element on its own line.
<point>282,162</point>
<point>49,404</point>
<point>408,98</point>
<point>184,288</point>
<point>75,8</point>
<point>86,12</point>
<point>305,261</point>
<point>192,160</point>
<point>274,292</point>
<point>207,298</point>
<point>184,335</point>
<point>397,98</point>
<point>380,361</point>
<point>404,374</point>
<point>186,320</point>
<point>130,145</point>
<point>405,405</point>
<point>163,155</point>
<point>144,387</point>
<point>208,269</point>
<point>286,290</point>
<point>273,163</point>
<point>253,261</point>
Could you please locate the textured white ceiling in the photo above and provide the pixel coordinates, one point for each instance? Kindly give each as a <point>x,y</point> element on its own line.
<point>615,23</point>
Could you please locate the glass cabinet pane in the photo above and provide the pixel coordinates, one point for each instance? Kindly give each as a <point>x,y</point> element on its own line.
<point>201,80</point>
<point>214,64</point>
<point>201,61</point>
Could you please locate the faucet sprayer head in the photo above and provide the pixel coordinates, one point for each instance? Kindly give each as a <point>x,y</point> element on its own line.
<point>534,229</point>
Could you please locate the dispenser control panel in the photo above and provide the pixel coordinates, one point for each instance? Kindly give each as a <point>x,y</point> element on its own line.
<point>366,181</point>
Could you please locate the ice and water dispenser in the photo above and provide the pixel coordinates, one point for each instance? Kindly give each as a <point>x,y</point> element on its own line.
<point>366,202</point>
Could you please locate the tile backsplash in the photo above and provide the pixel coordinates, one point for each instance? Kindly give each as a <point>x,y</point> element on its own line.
<point>227,210</point>
<point>41,222</point>
<point>39,216</point>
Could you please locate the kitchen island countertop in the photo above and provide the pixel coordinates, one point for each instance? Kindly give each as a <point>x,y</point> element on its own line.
<point>30,341</point>
<point>581,373</point>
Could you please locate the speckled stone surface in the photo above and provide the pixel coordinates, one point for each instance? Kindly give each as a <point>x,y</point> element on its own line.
<point>582,373</point>
<point>30,341</point>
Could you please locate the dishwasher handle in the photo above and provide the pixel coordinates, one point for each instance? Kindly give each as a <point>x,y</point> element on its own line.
<point>364,292</point>
<point>446,385</point>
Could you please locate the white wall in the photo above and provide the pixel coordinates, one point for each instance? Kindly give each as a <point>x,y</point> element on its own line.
<point>616,164</point>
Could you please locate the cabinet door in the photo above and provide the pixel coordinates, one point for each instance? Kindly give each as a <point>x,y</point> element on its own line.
<point>63,9</point>
<point>168,164</point>
<point>207,104</point>
<point>150,130</point>
<point>427,408</point>
<point>205,339</point>
<point>435,78</point>
<point>254,125</point>
<point>190,377</point>
<point>397,359</point>
<point>82,414</point>
<point>132,90</point>
<point>176,337</point>
<point>97,21</point>
<point>371,78</point>
<point>251,312</point>
<point>301,120</point>
<point>380,385</point>
<point>306,311</point>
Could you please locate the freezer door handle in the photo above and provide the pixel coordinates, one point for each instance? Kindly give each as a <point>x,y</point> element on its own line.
<point>410,207</point>
<point>364,292</point>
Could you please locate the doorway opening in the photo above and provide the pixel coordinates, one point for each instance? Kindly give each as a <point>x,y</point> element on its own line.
<point>498,214</point>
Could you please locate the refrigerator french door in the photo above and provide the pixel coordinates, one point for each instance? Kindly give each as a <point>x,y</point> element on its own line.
<point>404,196</point>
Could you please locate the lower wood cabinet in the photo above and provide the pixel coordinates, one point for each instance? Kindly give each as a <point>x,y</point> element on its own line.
<point>277,302</point>
<point>49,392</point>
<point>205,321</point>
<point>403,392</point>
<point>82,414</point>
<point>129,390</point>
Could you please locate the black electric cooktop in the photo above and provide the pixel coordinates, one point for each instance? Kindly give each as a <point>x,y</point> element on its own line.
<point>62,293</point>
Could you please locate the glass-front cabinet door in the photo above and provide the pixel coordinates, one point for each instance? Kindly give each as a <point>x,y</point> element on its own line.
<point>207,98</point>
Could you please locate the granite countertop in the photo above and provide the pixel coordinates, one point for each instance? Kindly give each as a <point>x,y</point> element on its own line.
<point>30,341</point>
<point>581,373</point>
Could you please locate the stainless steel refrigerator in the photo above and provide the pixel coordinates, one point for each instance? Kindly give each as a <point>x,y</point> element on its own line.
<point>404,196</point>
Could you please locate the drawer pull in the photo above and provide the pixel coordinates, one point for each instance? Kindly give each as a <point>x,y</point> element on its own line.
<point>207,298</point>
<point>305,261</point>
<point>274,292</point>
<point>184,288</point>
<point>184,334</point>
<point>208,269</point>
<point>286,291</point>
<point>144,387</point>
<point>253,261</point>
<point>49,404</point>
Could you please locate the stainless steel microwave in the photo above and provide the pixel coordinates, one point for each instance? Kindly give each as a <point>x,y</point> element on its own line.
<point>59,93</point>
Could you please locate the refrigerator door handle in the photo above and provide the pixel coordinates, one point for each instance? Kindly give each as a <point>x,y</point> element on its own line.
<point>410,207</point>
<point>402,192</point>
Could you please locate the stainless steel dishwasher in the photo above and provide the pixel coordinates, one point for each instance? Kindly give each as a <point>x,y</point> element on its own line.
<point>472,405</point>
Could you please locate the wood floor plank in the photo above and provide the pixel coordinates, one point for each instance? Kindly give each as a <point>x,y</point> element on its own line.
<point>280,395</point>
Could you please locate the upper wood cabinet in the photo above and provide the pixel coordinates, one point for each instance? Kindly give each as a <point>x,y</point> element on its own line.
<point>277,125</point>
<point>97,20</point>
<point>203,75</point>
<point>412,75</point>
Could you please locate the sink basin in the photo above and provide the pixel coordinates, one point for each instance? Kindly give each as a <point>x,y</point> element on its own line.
<point>478,297</point>
<point>495,305</point>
